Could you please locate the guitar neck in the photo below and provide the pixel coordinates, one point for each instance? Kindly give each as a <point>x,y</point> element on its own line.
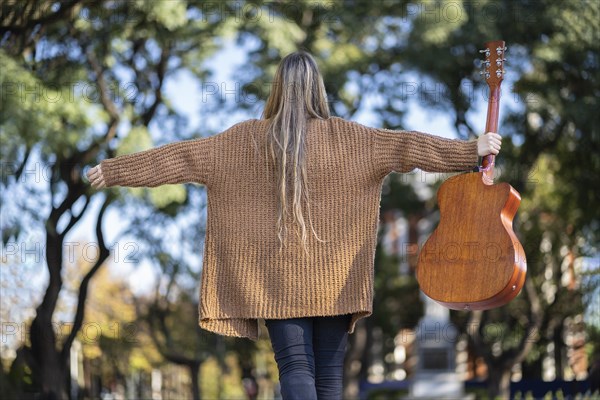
<point>491,124</point>
<point>494,73</point>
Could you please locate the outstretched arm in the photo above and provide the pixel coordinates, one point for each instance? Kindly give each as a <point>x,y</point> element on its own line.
<point>179,162</point>
<point>403,151</point>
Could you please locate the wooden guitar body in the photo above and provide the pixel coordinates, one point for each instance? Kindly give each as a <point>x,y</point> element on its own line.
<point>473,259</point>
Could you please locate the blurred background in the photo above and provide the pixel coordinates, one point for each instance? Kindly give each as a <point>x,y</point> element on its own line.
<point>99,289</point>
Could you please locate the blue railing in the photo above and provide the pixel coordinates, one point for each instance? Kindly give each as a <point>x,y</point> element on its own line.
<point>535,388</point>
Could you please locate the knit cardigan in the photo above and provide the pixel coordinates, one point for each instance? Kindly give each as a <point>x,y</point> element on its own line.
<point>244,277</point>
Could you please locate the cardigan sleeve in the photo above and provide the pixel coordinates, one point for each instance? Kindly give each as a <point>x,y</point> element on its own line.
<point>403,151</point>
<point>179,162</point>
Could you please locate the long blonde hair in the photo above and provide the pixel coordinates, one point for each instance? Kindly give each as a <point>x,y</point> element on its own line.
<point>298,93</point>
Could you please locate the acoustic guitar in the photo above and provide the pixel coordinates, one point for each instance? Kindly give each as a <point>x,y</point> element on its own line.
<point>473,259</point>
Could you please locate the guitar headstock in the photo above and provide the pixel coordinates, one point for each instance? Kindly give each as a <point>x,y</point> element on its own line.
<point>493,63</point>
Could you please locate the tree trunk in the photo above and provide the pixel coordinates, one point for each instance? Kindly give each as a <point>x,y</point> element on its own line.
<point>559,346</point>
<point>49,367</point>
<point>357,343</point>
<point>48,357</point>
<point>499,382</point>
<point>194,375</point>
<point>55,384</point>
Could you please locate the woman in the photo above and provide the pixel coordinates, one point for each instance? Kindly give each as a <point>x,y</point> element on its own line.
<point>296,168</point>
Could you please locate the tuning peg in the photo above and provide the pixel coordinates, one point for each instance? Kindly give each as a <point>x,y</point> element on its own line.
<point>499,50</point>
<point>485,73</point>
<point>485,64</point>
<point>486,51</point>
<point>500,72</point>
<point>499,61</point>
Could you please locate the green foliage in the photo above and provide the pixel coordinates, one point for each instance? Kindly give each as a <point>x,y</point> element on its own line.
<point>170,14</point>
<point>219,384</point>
<point>74,75</point>
<point>35,113</point>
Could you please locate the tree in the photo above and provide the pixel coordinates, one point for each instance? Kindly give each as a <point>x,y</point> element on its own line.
<point>51,51</point>
<point>114,345</point>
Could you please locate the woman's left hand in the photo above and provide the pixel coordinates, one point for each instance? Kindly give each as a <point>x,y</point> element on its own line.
<point>96,177</point>
<point>489,143</point>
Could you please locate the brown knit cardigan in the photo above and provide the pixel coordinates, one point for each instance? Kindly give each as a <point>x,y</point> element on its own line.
<point>244,277</point>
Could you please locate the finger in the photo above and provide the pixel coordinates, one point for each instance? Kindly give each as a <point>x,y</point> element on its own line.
<point>97,181</point>
<point>495,144</point>
<point>93,172</point>
<point>494,137</point>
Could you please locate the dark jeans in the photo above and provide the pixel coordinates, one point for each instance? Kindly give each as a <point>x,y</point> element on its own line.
<point>310,355</point>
